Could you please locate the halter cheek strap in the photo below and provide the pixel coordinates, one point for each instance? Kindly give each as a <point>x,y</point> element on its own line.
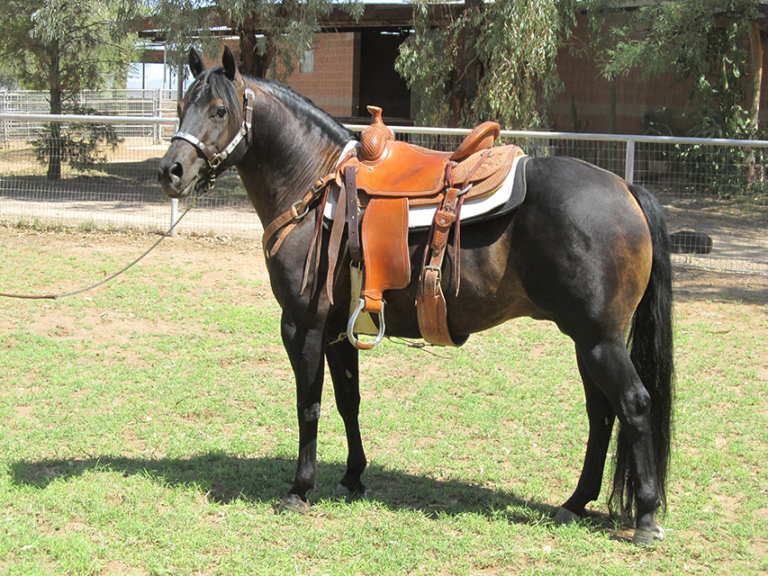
<point>215,159</point>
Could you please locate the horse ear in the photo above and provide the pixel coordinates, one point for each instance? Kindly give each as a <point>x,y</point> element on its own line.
<point>195,63</point>
<point>230,66</point>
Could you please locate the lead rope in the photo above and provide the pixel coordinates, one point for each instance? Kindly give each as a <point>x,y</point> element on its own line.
<point>113,276</point>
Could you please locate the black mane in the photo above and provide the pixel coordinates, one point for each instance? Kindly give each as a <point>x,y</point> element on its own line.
<point>305,109</point>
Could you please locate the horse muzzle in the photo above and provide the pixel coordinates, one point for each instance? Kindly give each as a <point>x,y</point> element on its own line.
<point>178,178</point>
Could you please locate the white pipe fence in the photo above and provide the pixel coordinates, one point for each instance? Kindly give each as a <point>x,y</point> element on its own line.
<point>713,186</point>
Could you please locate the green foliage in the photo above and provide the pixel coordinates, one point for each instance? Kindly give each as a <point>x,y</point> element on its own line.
<point>78,145</point>
<point>274,36</point>
<point>186,23</point>
<point>722,170</point>
<point>703,43</point>
<point>66,45</point>
<point>515,43</point>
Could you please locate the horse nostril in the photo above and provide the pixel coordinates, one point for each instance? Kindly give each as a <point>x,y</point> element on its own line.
<point>177,170</point>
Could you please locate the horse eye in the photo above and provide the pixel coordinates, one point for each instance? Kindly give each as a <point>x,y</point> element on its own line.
<point>221,112</point>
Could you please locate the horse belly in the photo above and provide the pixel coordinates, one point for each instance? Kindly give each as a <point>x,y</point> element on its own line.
<point>490,289</point>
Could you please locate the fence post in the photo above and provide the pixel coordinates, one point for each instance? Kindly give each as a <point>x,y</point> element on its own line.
<point>156,112</point>
<point>174,215</point>
<point>5,109</point>
<point>629,164</point>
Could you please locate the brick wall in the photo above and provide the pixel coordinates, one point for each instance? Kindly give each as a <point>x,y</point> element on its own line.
<point>333,83</point>
<point>585,104</point>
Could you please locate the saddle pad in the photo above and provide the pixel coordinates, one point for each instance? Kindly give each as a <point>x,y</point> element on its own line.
<point>508,196</point>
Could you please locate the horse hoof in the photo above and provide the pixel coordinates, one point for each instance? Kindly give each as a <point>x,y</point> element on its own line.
<point>356,494</point>
<point>565,516</point>
<point>648,538</point>
<point>292,504</point>
<point>340,491</point>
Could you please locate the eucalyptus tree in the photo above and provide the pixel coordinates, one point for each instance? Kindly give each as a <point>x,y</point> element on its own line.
<point>491,60</point>
<point>713,46</point>
<point>274,36</point>
<point>63,46</point>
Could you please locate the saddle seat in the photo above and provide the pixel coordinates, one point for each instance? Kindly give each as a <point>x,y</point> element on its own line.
<point>385,180</point>
<point>389,168</point>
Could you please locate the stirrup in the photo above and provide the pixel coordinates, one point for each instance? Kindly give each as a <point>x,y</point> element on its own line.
<point>351,327</point>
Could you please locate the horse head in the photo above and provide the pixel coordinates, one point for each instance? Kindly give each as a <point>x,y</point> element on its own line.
<point>215,120</point>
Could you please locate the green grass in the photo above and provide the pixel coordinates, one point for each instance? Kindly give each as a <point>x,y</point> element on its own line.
<point>149,428</point>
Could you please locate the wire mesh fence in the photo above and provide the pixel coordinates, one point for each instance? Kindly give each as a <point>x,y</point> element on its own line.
<point>713,188</point>
<point>129,103</point>
<point>714,191</point>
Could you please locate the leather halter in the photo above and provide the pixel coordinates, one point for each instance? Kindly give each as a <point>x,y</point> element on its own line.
<point>215,159</point>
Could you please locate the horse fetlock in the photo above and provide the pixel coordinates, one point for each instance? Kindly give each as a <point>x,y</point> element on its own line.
<point>351,491</point>
<point>354,486</point>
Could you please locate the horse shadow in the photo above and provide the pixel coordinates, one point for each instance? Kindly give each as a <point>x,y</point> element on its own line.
<point>224,478</point>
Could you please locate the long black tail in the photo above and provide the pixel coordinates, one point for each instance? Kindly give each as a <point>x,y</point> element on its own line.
<point>650,348</point>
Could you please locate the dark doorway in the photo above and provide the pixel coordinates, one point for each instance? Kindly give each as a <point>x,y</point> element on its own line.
<point>380,84</point>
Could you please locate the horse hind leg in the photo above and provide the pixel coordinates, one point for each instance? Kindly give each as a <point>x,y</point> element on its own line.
<point>610,368</point>
<point>601,419</point>
<point>344,368</point>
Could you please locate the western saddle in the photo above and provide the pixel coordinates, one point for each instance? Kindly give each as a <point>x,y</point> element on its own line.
<point>382,181</point>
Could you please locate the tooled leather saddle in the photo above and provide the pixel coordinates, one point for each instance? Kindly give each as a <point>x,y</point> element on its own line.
<point>389,177</point>
<point>382,181</point>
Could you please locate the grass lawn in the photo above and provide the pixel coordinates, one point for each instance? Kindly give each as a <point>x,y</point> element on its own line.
<point>149,427</point>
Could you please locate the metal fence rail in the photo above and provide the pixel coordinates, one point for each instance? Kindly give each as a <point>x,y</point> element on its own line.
<point>716,187</point>
<point>157,103</point>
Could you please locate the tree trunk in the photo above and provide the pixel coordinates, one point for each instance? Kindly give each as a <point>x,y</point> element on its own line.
<point>465,80</point>
<point>251,62</point>
<point>55,145</point>
<point>755,79</point>
<point>755,74</point>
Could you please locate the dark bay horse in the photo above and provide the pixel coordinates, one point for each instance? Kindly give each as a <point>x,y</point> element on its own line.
<point>584,250</point>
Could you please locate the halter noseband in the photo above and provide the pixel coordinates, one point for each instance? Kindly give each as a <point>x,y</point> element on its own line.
<point>215,159</point>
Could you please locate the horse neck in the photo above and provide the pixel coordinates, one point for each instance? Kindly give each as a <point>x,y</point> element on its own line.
<point>288,154</point>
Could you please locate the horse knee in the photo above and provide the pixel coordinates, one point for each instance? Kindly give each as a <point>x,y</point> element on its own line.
<point>310,414</point>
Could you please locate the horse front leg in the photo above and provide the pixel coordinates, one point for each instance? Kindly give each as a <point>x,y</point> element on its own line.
<point>344,368</point>
<point>304,345</point>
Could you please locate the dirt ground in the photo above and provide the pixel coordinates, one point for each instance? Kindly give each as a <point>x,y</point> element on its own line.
<point>693,287</point>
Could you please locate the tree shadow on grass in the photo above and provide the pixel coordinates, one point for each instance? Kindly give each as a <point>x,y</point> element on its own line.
<point>225,478</point>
